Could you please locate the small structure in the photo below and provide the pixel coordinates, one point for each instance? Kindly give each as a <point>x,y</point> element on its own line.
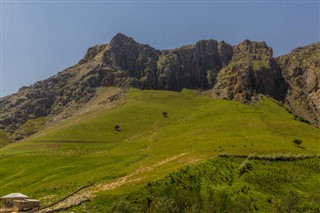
<point>18,202</point>
<point>26,204</point>
<point>9,198</point>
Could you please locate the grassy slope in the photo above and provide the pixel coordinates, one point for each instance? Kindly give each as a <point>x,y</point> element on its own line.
<point>215,186</point>
<point>4,139</point>
<point>31,126</point>
<point>85,148</point>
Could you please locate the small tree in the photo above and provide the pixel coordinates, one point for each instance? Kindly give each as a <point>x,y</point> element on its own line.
<point>117,128</point>
<point>164,114</point>
<point>297,142</point>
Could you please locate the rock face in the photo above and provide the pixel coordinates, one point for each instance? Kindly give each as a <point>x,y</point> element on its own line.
<point>194,66</point>
<point>232,72</point>
<point>251,71</point>
<point>43,98</point>
<point>301,70</point>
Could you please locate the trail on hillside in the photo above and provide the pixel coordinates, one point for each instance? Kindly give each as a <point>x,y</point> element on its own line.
<point>88,193</point>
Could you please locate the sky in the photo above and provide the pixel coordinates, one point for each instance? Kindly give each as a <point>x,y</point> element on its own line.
<point>41,38</point>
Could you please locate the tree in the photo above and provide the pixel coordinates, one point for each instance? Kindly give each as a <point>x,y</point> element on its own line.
<point>164,114</point>
<point>117,128</point>
<point>297,142</point>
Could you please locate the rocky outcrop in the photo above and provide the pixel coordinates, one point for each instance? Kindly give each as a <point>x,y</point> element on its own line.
<point>232,72</point>
<point>301,71</point>
<point>194,66</point>
<point>41,99</point>
<point>251,71</point>
<point>124,53</point>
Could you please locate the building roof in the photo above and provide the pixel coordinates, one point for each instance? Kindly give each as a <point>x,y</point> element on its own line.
<point>14,195</point>
<point>26,200</point>
<point>32,200</point>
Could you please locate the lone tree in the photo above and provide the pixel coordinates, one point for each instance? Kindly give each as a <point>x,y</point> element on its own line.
<point>164,114</point>
<point>297,142</point>
<point>117,128</point>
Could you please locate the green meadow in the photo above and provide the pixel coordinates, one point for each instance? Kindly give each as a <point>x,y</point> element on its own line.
<point>85,149</point>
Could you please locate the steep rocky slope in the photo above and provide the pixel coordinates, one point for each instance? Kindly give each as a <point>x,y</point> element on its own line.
<point>194,66</point>
<point>251,71</point>
<point>239,72</point>
<point>301,70</point>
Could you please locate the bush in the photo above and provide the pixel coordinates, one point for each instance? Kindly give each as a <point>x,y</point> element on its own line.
<point>297,142</point>
<point>245,166</point>
<point>117,128</point>
<point>165,114</point>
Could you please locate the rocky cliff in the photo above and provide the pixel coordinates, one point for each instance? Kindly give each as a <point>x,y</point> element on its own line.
<point>251,71</point>
<point>232,72</point>
<point>301,71</point>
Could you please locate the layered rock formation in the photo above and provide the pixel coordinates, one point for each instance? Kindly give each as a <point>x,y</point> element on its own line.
<point>301,71</point>
<point>238,73</point>
<point>251,71</point>
<point>194,66</point>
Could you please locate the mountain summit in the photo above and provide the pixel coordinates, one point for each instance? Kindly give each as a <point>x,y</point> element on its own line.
<point>237,72</point>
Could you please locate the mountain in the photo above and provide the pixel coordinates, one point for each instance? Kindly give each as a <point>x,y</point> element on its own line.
<point>239,72</point>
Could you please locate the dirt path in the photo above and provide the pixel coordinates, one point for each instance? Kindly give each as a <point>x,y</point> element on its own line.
<point>169,159</point>
<point>88,193</point>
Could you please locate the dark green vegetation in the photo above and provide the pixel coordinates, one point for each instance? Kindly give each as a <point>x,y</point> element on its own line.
<point>297,142</point>
<point>215,186</point>
<point>85,149</point>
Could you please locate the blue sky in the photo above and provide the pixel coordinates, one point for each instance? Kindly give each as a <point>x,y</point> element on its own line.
<point>41,38</point>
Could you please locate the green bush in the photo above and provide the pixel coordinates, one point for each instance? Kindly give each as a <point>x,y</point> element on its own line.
<point>297,142</point>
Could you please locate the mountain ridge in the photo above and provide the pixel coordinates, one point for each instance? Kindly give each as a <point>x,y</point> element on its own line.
<point>238,72</point>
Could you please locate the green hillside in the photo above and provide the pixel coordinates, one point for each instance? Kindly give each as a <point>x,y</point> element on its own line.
<point>216,186</point>
<point>4,139</point>
<point>85,149</point>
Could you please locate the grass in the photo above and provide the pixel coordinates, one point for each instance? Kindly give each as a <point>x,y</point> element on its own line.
<point>4,139</point>
<point>215,186</point>
<point>31,126</point>
<point>85,149</point>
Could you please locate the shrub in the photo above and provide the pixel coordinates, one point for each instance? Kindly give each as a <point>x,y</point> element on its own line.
<point>245,166</point>
<point>117,128</point>
<point>164,114</point>
<point>297,142</point>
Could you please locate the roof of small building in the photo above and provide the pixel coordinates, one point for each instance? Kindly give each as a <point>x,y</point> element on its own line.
<point>14,195</point>
<point>26,200</point>
<point>32,200</point>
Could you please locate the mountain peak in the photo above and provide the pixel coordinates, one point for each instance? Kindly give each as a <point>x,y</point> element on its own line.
<point>120,38</point>
<point>253,47</point>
